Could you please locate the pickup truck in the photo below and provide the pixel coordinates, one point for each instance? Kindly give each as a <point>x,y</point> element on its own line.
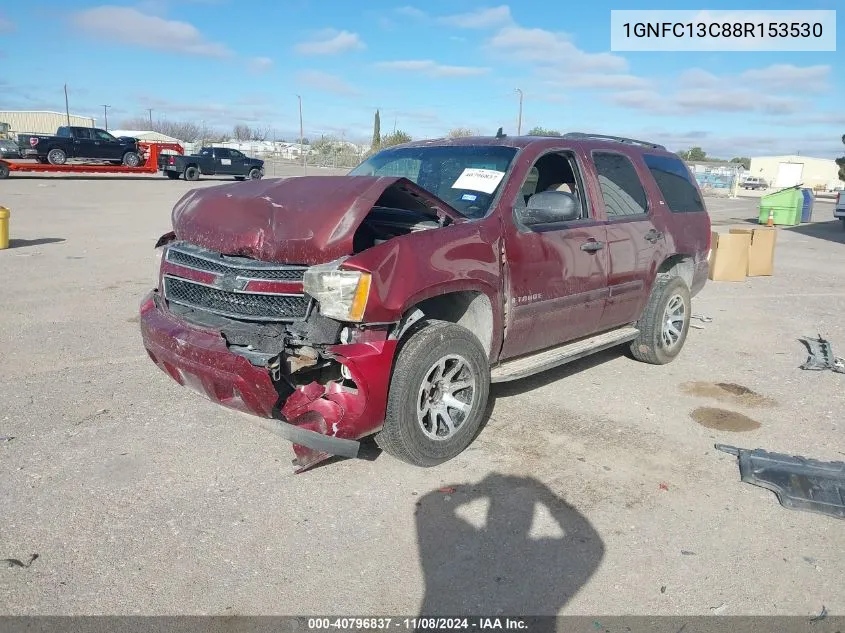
<point>387,301</point>
<point>81,143</point>
<point>211,161</point>
<point>839,208</point>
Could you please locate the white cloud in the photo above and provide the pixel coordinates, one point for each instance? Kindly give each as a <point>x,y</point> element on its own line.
<point>433,69</point>
<point>6,26</point>
<point>597,81</point>
<point>260,64</point>
<point>689,101</point>
<point>129,26</point>
<point>480,18</point>
<point>326,82</point>
<point>777,76</point>
<point>412,12</point>
<point>552,49</point>
<point>330,42</point>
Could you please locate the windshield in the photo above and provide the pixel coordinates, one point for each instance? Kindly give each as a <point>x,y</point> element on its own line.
<point>468,177</point>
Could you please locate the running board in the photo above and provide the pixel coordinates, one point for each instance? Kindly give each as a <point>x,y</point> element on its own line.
<point>560,355</point>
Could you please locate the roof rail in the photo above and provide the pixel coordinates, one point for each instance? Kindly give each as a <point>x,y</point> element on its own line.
<point>618,139</point>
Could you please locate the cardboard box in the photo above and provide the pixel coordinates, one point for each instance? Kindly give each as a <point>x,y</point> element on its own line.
<point>761,251</point>
<point>729,256</point>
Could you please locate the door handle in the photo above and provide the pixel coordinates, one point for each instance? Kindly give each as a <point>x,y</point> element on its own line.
<point>653,235</point>
<point>592,246</point>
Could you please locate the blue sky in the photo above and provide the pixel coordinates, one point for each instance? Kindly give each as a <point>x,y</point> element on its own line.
<point>429,66</point>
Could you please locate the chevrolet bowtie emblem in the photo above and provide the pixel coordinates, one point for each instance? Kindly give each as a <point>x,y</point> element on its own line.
<point>230,282</point>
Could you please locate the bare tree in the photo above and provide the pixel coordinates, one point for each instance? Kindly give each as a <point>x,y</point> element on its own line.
<point>182,130</point>
<point>241,132</point>
<point>257,134</point>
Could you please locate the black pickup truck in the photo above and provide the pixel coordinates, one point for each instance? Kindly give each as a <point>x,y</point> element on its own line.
<point>211,161</point>
<point>83,143</point>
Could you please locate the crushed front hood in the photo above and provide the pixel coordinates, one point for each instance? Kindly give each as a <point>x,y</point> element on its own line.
<point>303,220</point>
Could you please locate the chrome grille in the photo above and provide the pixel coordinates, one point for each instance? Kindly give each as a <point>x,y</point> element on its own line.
<point>202,259</point>
<point>226,295</point>
<point>241,305</point>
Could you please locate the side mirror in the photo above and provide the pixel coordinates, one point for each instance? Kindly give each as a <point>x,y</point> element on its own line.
<point>549,207</point>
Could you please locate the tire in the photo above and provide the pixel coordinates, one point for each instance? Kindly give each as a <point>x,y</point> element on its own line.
<point>131,159</point>
<point>255,174</point>
<point>414,433</point>
<point>669,296</point>
<point>4,171</point>
<point>41,160</point>
<point>56,156</point>
<point>172,175</point>
<point>240,178</point>
<point>192,173</point>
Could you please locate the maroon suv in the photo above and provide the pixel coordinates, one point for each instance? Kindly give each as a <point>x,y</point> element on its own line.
<point>386,301</point>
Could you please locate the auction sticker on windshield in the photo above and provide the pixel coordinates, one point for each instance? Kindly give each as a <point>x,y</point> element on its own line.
<point>484,180</point>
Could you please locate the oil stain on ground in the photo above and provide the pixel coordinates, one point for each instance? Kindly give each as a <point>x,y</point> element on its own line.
<point>724,420</point>
<point>728,392</point>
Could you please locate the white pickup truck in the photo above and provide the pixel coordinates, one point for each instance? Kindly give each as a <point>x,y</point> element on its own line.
<point>839,208</point>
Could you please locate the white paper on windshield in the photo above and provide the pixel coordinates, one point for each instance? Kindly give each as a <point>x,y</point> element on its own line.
<point>484,180</point>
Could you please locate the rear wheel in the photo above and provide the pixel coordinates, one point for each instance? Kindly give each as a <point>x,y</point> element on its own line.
<point>240,178</point>
<point>254,174</point>
<point>438,395</point>
<point>192,173</point>
<point>4,171</point>
<point>664,323</point>
<point>131,159</point>
<point>56,156</point>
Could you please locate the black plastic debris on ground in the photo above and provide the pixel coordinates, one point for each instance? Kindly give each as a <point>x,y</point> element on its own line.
<point>821,356</point>
<point>14,562</point>
<point>799,483</point>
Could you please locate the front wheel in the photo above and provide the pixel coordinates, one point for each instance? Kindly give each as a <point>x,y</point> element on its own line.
<point>438,395</point>
<point>4,170</point>
<point>255,174</point>
<point>664,323</point>
<point>131,159</point>
<point>56,156</point>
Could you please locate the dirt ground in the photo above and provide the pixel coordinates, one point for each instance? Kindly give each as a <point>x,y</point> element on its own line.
<point>592,489</point>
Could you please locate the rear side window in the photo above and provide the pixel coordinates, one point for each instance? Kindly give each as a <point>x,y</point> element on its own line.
<point>222,152</point>
<point>621,188</point>
<point>673,179</point>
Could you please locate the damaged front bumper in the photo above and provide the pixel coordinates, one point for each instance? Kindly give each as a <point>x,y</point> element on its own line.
<point>320,419</point>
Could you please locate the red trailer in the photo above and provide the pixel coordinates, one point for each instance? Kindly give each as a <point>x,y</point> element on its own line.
<point>150,151</point>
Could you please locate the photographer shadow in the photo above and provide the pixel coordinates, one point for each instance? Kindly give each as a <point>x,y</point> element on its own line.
<point>491,550</point>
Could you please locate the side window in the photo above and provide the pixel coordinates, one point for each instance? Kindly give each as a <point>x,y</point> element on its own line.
<point>620,185</point>
<point>82,133</point>
<point>206,152</point>
<point>555,171</point>
<point>236,154</point>
<point>673,179</point>
<point>222,152</point>
<point>103,136</point>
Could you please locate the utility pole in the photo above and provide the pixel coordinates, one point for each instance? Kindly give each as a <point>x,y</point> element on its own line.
<point>150,110</point>
<point>301,132</point>
<point>67,107</point>
<point>106,115</point>
<point>519,121</point>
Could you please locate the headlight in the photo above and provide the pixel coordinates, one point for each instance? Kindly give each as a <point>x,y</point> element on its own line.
<point>342,294</point>
<point>157,270</point>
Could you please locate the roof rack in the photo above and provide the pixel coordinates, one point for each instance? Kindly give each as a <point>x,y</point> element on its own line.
<point>618,139</point>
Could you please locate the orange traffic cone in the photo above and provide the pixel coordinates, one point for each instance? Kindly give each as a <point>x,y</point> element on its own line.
<point>771,220</point>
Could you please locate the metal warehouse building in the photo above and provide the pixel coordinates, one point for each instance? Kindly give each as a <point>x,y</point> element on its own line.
<point>786,171</point>
<point>43,122</point>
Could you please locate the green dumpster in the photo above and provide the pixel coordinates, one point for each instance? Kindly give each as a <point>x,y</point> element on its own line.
<point>786,206</point>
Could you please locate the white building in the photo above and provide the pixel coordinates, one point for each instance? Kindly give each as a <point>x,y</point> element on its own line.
<point>787,171</point>
<point>41,122</point>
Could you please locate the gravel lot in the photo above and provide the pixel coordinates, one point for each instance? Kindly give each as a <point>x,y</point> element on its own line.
<point>141,497</point>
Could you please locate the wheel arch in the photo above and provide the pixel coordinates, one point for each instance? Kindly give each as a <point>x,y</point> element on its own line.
<point>469,307</point>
